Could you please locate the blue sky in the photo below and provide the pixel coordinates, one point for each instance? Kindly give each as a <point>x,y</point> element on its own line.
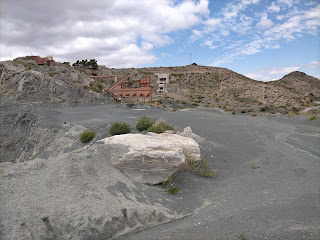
<point>261,39</point>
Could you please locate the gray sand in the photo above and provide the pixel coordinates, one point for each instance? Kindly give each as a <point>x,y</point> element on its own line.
<point>267,183</point>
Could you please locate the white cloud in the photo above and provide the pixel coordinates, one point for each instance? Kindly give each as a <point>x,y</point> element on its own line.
<point>280,17</point>
<point>273,73</point>
<point>146,46</point>
<point>212,24</point>
<point>286,2</point>
<point>264,23</point>
<point>196,34</point>
<point>283,70</point>
<point>274,7</point>
<point>104,30</point>
<point>210,44</point>
<point>313,64</point>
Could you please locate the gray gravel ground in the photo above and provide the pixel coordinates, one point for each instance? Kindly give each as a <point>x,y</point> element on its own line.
<point>267,183</point>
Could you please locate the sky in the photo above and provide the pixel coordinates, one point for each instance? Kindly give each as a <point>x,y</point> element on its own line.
<point>261,39</point>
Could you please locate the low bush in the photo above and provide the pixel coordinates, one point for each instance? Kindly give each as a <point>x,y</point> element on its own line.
<point>312,117</point>
<point>87,136</point>
<point>168,185</point>
<point>144,123</point>
<point>200,167</point>
<point>160,126</point>
<point>119,128</point>
<point>203,169</point>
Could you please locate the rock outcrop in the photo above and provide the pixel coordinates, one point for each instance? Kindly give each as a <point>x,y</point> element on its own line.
<point>76,195</point>
<point>153,157</point>
<point>22,81</point>
<point>187,132</point>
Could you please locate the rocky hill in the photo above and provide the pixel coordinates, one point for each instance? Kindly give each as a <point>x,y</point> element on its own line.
<point>300,83</point>
<point>22,80</point>
<point>221,87</point>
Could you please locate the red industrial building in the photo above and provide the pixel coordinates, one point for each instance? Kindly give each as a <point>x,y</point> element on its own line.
<point>125,90</point>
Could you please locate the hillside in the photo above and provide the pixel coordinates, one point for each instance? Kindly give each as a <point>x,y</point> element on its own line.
<point>300,83</point>
<point>221,87</point>
<point>22,80</point>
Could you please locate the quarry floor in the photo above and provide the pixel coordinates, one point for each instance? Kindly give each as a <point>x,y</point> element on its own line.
<point>268,172</point>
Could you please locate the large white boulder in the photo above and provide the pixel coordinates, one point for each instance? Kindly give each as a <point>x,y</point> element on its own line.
<point>153,157</point>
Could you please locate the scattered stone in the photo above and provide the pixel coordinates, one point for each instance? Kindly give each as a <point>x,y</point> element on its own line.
<point>187,132</point>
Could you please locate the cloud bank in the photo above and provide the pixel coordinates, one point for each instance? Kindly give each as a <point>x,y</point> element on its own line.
<point>118,33</point>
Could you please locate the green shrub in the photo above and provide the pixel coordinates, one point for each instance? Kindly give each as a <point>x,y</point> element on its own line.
<point>144,123</point>
<point>174,190</point>
<point>169,186</point>
<point>312,117</point>
<point>203,169</point>
<point>119,128</point>
<point>160,126</point>
<point>200,167</point>
<point>87,136</point>
<point>263,109</point>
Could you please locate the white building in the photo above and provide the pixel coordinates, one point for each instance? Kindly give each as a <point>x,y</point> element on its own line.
<point>163,81</point>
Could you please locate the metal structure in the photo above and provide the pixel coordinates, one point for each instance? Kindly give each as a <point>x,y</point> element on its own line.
<point>125,90</point>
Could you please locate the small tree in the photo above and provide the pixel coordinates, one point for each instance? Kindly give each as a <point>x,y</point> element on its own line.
<point>92,64</point>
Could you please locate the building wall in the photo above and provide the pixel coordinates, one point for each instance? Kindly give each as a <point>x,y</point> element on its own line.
<point>162,82</point>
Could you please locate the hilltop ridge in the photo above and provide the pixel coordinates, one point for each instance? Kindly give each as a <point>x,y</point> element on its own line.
<point>22,80</point>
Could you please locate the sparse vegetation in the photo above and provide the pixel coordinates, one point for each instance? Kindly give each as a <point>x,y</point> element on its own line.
<point>119,128</point>
<point>51,74</point>
<point>242,236</point>
<point>144,123</point>
<point>160,126</point>
<point>312,117</point>
<point>294,111</point>
<point>200,167</point>
<point>92,64</point>
<point>263,109</point>
<point>170,187</point>
<point>87,136</point>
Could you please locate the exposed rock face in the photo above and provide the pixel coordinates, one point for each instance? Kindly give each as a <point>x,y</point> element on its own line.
<point>24,81</point>
<point>77,195</point>
<point>153,157</point>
